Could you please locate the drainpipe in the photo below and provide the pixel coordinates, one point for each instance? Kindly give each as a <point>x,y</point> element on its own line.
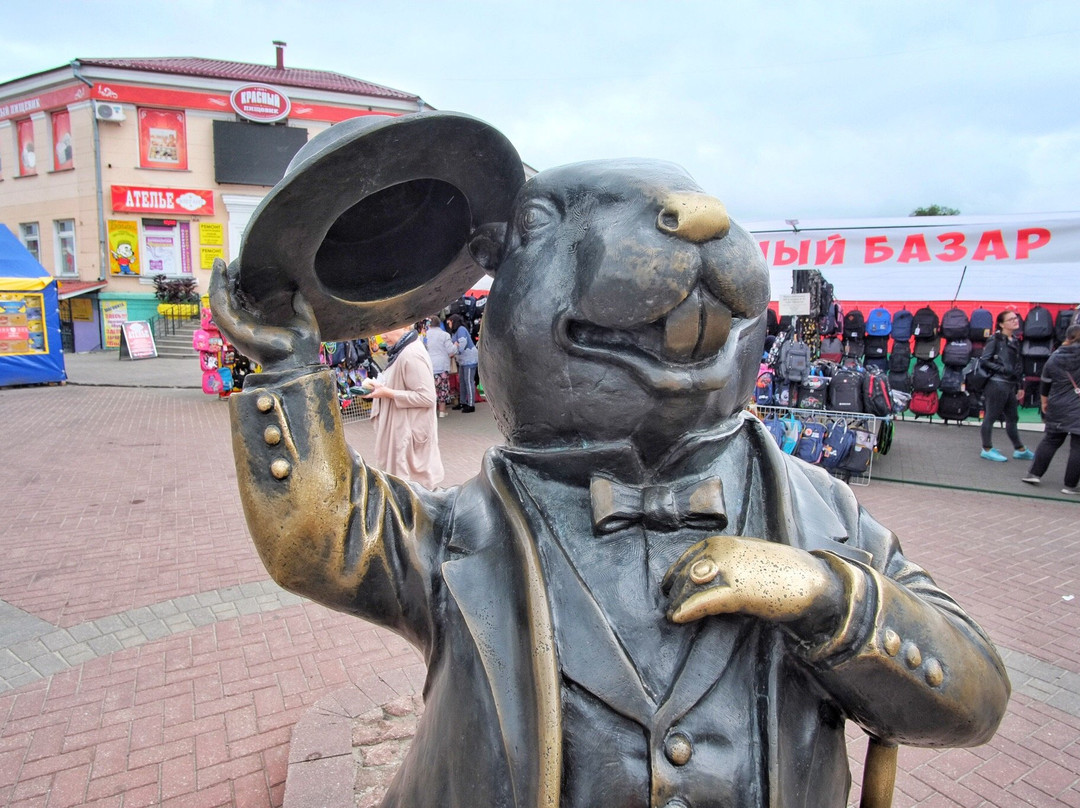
<point>103,255</point>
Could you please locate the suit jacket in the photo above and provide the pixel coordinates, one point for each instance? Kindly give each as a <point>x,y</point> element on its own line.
<point>459,574</point>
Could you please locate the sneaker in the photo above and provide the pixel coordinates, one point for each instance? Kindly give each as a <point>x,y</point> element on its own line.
<point>1031,479</point>
<point>1024,454</point>
<point>442,414</point>
<point>993,454</point>
<point>1073,490</point>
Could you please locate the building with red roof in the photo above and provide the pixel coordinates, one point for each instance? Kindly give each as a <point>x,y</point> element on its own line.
<point>114,171</point>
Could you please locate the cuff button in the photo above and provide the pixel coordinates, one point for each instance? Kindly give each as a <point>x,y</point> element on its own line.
<point>280,468</point>
<point>264,403</point>
<point>272,435</point>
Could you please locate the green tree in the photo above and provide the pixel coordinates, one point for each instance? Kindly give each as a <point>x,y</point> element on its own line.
<point>935,210</point>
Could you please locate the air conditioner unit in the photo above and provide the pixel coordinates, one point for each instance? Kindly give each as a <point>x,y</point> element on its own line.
<point>104,111</point>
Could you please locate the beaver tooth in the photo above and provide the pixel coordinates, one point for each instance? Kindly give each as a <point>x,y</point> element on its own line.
<point>715,327</point>
<point>682,328</point>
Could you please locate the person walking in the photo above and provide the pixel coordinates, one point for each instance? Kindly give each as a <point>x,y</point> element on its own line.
<point>1060,389</point>
<point>441,349</point>
<point>467,359</point>
<point>403,411</point>
<point>1002,393</point>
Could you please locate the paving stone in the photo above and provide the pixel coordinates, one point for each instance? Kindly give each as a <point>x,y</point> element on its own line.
<point>104,645</point>
<point>48,665</point>
<point>84,632</point>
<point>55,640</point>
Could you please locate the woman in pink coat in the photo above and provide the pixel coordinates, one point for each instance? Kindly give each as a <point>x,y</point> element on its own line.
<point>403,411</point>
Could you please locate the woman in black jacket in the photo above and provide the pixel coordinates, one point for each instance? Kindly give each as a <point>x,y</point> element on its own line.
<point>1061,411</point>
<point>1002,393</point>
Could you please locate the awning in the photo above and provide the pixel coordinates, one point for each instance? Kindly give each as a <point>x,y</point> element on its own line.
<point>76,288</point>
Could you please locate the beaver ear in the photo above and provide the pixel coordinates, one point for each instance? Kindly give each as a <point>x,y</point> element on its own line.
<point>486,245</point>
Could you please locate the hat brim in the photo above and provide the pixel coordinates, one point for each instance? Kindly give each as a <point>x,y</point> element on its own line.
<point>372,220</point>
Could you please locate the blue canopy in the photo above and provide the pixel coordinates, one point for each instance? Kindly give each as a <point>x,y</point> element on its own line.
<point>30,348</point>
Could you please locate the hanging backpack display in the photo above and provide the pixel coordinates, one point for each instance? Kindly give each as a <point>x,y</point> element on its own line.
<point>957,352</point>
<point>794,361</point>
<point>955,324</point>
<point>838,442</point>
<point>925,323</point>
<point>953,406</point>
<point>981,325</point>
<point>854,325</point>
<point>923,403</point>
<point>900,358</point>
<point>876,395</point>
<point>1038,324</point>
<point>845,391</point>
<point>901,325</point>
<point>879,323</point>
<point>832,348</point>
<point>925,378</point>
<point>927,347</point>
<point>813,393</point>
<point>876,346</point>
<point>811,442</point>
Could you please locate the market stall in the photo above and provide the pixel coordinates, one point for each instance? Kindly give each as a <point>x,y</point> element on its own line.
<point>30,347</point>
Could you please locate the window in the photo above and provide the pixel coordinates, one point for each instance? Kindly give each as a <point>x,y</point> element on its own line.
<point>31,239</point>
<point>24,134</point>
<point>65,247</point>
<point>61,133</point>
<point>162,139</point>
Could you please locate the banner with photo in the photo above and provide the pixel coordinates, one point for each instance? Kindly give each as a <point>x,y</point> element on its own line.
<point>63,155</point>
<point>162,139</point>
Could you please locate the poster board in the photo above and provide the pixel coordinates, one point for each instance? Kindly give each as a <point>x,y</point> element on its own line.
<point>137,340</point>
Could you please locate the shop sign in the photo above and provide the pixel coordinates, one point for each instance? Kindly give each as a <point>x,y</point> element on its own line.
<point>260,103</point>
<point>137,199</point>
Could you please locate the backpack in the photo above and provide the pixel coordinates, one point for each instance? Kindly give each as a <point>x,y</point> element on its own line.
<point>981,325</point>
<point>763,391</point>
<point>854,347</point>
<point>833,320</point>
<point>925,378</point>
<point>213,383</point>
<point>923,403</point>
<point>925,323</point>
<point>792,433</point>
<point>1038,324</point>
<point>813,393</point>
<point>900,358</point>
<point>1040,348</point>
<point>876,346</point>
<point>811,442</point>
<point>772,322</point>
<point>954,406</point>
<point>858,458</point>
<point>879,323</point>
<point>878,363</point>
<point>795,361</point>
<point>854,325</point>
<point>957,352</point>
<point>775,427</point>
<point>927,348</point>
<point>1064,319</point>
<point>952,380</point>
<point>209,360</point>
<point>876,395</point>
<point>900,382</point>
<point>838,442</point>
<point>832,348</point>
<point>845,391</point>
<point>901,325</point>
<point>955,324</point>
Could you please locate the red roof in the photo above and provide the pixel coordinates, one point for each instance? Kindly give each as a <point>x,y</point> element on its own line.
<point>72,288</point>
<point>242,71</point>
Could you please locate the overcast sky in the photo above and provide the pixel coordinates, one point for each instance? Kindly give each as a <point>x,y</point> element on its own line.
<point>783,110</point>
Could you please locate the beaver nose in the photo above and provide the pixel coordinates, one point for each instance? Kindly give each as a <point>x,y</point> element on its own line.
<point>694,217</point>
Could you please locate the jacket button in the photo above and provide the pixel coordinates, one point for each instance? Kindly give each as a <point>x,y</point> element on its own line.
<point>892,642</point>
<point>934,674</point>
<point>280,468</point>
<point>912,655</point>
<point>678,749</point>
<point>272,435</point>
<point>265,403</point>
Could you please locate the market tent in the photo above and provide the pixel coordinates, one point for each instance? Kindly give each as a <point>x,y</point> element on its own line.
<point>30,348</point>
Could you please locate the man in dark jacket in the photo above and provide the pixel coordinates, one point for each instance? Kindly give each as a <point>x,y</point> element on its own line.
<point>1002,393</point>
<point>1061,411</point>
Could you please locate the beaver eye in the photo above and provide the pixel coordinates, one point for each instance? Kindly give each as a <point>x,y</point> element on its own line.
<point>535,215</point>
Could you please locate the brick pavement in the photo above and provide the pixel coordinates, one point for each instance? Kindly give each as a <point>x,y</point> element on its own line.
<point>145,659</point>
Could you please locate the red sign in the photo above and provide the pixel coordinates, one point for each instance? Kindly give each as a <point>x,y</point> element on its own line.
<point>39,103</point>
<point>139,199</point>
<point>260,103</point>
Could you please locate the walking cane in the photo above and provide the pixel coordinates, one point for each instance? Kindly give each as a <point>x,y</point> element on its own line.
<point>879,774</point>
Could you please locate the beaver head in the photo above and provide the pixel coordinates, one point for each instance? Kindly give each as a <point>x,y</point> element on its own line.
<point>625,304</point>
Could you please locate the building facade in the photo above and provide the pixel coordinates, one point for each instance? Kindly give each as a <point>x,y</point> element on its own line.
<point>114,171</point>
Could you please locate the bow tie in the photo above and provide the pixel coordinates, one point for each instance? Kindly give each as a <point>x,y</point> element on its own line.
<point>657,507</point>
